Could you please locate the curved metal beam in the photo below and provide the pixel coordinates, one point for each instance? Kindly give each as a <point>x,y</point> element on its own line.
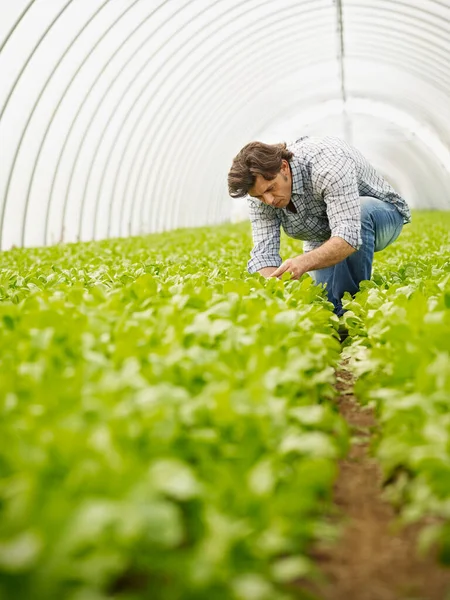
<point>75,162</point>
<point>434,54</point>
<point>407,24</point>
<point>63,96</point>
<point>33,110</point>
<point>170,100</point>
<point>130,110</point>
<point>3,109</point>
<point>156,194</point>
<point>210,128</point>
<point>41,39</point>
<point>87,95</point>
<point>389,7</point>
<point>16,25</point>
<point>160,190</point>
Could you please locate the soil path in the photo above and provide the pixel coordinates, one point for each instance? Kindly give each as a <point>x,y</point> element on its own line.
<point>372,561</point>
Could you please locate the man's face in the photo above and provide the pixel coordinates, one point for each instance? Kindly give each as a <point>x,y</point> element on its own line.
<point>276,193</point>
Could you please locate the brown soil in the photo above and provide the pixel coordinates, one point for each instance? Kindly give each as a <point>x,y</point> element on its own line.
<point>373,560</point>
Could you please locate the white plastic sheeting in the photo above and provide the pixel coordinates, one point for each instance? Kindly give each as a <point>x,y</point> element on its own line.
<point>121,117</point>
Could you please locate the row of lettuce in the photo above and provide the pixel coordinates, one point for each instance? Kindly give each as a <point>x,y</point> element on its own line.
<point>168,427</point>
<point>400,352</point>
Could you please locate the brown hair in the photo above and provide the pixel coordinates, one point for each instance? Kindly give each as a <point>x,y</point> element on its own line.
<point>256,158</point>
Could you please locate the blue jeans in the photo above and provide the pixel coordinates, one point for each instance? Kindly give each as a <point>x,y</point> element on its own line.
<point>381,224</point>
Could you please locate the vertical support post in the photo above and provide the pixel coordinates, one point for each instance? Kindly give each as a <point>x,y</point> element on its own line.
<point>341,57</point>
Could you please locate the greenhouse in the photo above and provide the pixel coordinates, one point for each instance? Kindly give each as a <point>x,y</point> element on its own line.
<point>225,300</point>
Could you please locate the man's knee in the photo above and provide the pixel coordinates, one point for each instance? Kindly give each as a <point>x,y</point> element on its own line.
<point>380,219</point>
<point>368,206</point>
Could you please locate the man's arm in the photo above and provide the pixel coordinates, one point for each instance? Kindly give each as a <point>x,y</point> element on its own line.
<point>265,255</point>
<point>330,253</point>
<point>335,178</point>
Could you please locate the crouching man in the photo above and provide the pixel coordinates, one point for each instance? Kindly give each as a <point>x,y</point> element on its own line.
<point>322,191</point>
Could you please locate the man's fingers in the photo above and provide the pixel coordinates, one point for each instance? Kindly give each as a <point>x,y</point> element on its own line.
<point>292,266</point>
<point>281,269</point>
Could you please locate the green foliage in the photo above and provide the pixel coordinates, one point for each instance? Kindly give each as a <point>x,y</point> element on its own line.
<point>167,426</point>
<point>400,323</point>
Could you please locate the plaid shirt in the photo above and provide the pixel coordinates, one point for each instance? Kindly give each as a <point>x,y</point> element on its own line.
<point>328,177</point>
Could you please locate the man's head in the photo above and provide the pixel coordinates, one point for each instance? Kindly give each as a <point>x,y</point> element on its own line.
<point>262,171</point>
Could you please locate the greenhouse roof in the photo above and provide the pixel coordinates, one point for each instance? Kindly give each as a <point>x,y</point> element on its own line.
<point>121,117</point>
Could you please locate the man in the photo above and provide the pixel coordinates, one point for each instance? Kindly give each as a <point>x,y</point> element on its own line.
<point>323,191</point>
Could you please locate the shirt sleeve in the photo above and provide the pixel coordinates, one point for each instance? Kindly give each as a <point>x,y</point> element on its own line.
<point>334,176</point>
<point>266,237</point>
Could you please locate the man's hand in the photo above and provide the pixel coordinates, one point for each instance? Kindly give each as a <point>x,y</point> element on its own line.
<point>330,253</point>
<point>295,266</point>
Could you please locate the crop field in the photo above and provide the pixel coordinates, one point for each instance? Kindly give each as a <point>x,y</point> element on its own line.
<point>169,422</point>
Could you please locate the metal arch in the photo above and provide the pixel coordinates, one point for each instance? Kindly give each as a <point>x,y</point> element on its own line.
<point>129,112</point>
<point>30,116</point>
<point>439,3</point>
<point>199,106</point>
<point>213,123</point>
<point>426,48</point>
<point>410,24</point>
<point>211,128</point>
<point>206,128</point>
<point>3,209</point>
<point>407,6</point>
<point>14,27</point>
<point>266,123</point>
<point>426,55</point>
<point>113,144</point>
<point>406,31</point>
<point>172,124</point>
<point>371,59</point>
<point>169,107</point>
<point>180,132</point>
<point>434,160</point>
<point>433,82</point>
<point>113,195</point>
<point>413,72</point>
<point>2,110</point>
<point>217,123</point>
<point>103,132</point>
<point>98,105</point>
<point>142,112</point>
<point>156,194</point>
<point>50,123</point>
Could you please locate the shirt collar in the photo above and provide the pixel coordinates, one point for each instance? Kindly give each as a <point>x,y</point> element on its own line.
<point>297,179</point>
